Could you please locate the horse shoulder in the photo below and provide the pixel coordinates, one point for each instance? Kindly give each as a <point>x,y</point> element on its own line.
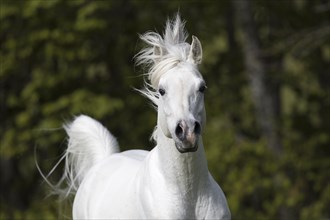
<point>110,184</point>
<point>217,207</point>
<point>151,189</point>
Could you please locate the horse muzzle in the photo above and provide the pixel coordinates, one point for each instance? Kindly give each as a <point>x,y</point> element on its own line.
<point>184,148</point>
<point>187,136</point>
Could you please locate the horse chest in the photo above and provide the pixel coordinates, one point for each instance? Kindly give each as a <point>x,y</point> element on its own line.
<point>162,200</point>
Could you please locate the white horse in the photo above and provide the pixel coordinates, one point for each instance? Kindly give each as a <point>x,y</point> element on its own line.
<point>170,182</point>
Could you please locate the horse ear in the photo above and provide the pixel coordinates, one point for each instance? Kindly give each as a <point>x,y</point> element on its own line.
<point>158,53</point>
<point>195,53</point>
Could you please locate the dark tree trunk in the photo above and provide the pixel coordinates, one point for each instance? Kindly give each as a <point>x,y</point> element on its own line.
<point>265,97</point>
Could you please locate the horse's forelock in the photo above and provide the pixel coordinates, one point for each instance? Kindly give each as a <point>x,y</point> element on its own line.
<point>171,49</point>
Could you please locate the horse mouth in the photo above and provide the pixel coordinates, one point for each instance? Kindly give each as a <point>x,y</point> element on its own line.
<point>185,148</point>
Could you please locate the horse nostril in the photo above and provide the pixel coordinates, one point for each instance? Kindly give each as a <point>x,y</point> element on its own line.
<point>197,128</point>
<point>179,131</point>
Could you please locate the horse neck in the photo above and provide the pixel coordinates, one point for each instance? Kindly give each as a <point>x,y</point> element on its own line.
<point>182,171</point>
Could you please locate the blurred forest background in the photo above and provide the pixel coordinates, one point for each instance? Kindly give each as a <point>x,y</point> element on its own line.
<point>266,64</point>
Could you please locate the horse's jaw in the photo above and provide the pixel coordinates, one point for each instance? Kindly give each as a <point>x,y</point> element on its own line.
<point>186,148</point>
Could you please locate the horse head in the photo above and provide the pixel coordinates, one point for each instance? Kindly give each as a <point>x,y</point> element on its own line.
<point>177,86</point>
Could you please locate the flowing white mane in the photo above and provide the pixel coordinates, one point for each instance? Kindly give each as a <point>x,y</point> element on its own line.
<point>164,53</point>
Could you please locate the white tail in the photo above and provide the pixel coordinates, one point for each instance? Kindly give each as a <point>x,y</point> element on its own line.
<point>89,142</point>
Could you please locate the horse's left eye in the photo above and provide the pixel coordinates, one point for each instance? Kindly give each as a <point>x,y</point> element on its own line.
<point>161,91</point>
<point>202,88</point>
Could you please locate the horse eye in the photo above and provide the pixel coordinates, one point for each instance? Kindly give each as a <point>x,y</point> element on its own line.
<point>202,88</point>
<point>161,91</point>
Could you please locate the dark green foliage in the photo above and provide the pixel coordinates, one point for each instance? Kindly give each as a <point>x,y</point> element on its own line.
<point>62,58</point>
